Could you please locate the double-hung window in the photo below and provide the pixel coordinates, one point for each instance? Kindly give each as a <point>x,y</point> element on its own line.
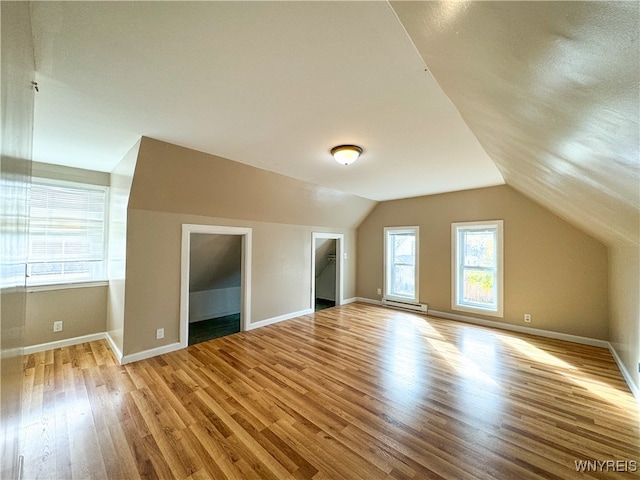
<point>477,267</point>
<point>67,233</point>
<point>401,264</point>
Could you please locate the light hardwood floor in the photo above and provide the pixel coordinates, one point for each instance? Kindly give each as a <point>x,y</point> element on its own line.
<point>352,392</point>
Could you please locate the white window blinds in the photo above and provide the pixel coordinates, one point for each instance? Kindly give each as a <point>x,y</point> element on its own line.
<point>67,231</point>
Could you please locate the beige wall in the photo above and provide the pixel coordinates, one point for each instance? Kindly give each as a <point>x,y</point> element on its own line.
<point>281,272</point>
<point>174,185</point>
<point>169,178</point>
<point>69,174</point>
<point>121,180</point>
<point>83,311</point>
<point>552,270</point>
<point>624,288</point>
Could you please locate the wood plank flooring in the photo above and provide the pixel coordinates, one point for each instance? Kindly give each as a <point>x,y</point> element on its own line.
<point>351,392</point>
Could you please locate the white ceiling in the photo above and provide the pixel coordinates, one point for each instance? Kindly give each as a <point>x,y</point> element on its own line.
<point>542,95</point>
<point>552,92</point>
<point>270,84</point>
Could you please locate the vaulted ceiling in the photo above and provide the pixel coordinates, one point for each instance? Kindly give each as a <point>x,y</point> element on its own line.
<point>552,92</point>
<point>442,96</point>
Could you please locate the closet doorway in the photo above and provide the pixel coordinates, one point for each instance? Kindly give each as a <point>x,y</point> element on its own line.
<point>326,270</point>
<point>215,280</point>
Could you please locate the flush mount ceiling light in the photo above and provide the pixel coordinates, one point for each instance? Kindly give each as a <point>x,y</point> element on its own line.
<point>346,154</point>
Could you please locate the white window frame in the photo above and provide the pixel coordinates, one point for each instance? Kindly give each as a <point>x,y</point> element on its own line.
<point>388,295</point>
<point>73,283</point>
<point>457,267</point>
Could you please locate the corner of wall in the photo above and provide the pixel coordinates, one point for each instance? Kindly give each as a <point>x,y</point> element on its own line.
<point>121,182</point>
<point>624,310</point>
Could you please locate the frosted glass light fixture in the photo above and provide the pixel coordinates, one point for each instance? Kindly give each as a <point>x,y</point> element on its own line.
<point>346,154</point>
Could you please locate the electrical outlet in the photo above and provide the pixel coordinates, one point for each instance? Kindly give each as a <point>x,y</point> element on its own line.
<point>57,326</point>
<point>527,318</point>
<point>379,291</point>
<point>159,333</point>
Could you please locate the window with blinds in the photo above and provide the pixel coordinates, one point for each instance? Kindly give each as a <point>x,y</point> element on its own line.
<point>67,232</point>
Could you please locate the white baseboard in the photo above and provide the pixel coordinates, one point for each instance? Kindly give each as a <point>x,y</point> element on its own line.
<point>538,332</point>
<point>177,346</point>
<point>114,348</point>
<point>67,342</point>
<point>281,318</point>
<point>506,326</point>
<point>625,373</point>
<point>549,334</point>
<point>517,328</point>
<point>123,359</point>
<point>369,300</point>
<point>134,357</point>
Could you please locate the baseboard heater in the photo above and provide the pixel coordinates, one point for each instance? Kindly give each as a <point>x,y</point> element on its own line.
<point>416,307</point>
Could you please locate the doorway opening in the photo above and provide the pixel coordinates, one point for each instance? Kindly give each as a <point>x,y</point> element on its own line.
<point>326,270</point>
<point>215,282</point>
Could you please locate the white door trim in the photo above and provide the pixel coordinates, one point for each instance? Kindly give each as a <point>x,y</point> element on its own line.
<point>339,238</point>
<point>187,230</point>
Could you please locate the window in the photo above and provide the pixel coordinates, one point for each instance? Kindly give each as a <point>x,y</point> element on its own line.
<point>67,231</point>
<point>401,264</point>
<point>477,267</point>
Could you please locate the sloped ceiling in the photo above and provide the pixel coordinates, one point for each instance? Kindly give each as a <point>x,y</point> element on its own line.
<point>543,95</point>
<point>274,85</point>
<point>215,262</point>
<point>552,92</point>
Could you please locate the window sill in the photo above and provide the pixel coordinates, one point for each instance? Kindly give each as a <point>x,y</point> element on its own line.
<point>66,286</point>
<point>478,310</point>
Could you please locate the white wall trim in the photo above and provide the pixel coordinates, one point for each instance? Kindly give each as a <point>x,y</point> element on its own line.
<point>67,342</point>
<point>517,328</point>
<point>505,326</point>
<point>187,230</point>
<point>369,300</point>
<point>625,373</point>
<point>456,263</point>
<point>280,318</point>
<point>153,352</point>
<point>114,348</point>
<point>339,238</point>
<point>347,301</point>
<point>67,286</point>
